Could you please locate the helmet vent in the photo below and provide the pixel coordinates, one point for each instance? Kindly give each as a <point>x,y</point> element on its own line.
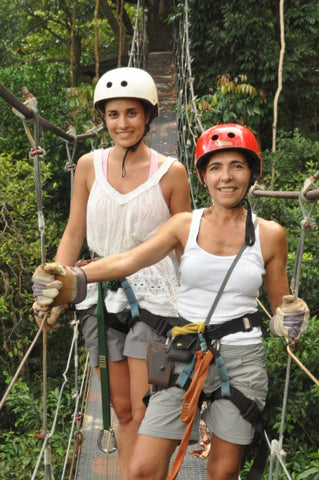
<point>109,84</point>
<point>231,135</point>
<point>124,83</point>
<point>214,137</point>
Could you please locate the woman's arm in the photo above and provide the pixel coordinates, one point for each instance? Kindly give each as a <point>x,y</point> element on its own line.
<point>171,235</point>
<point>275,250</point>
<point>74,233</point>
<point>53,284</point>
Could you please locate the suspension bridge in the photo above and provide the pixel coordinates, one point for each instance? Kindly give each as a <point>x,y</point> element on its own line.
<point>172,73</point>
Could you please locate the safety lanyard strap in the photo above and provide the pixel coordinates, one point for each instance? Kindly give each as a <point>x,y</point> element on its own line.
<point>221,288</point>
<point>103,361</point>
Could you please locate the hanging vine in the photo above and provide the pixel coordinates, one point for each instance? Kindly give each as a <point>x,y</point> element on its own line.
<point>279,87</point>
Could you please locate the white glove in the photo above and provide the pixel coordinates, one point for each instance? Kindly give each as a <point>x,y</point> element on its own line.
<point>55,285</point>
<point>291,319</point>
<point>51,320</point>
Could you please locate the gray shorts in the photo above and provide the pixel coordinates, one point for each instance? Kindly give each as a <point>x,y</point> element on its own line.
<point>88,322</point>
<point>246,368</point>
<point>119,345</point>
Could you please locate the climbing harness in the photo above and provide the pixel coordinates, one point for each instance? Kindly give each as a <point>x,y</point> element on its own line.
<point>206,353</point>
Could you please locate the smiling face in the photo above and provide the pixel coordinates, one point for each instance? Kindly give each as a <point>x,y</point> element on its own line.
<point>125,121</point>
<point>227,176</point>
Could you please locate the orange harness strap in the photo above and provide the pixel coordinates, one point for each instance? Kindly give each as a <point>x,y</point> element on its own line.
<point>190,405</point>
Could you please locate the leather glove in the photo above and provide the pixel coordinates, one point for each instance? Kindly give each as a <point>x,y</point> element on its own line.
<point>54,284</point>
<point>291,318</point>
<point>53,314</point>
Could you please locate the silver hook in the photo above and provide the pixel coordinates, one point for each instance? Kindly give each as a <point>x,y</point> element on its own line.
<point>111,440</point>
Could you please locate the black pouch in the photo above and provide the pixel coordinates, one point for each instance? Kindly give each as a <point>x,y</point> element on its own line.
<point>183,347</point>
<point>159,366</point>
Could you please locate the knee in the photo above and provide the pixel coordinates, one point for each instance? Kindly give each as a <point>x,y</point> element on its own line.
<point>217,473</point>
<point>123,412</point>
<point>137,471</point>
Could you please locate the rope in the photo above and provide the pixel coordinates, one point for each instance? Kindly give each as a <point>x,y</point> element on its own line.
<point>137,54</point>
<point>22,363</point>
<point>48,436</point>
<point>190,126</point>
<point>307,223</point>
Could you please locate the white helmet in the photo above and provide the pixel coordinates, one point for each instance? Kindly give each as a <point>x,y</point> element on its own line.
<point>126,82</point>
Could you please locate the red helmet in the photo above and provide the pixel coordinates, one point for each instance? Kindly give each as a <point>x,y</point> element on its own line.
<point>228,136</point>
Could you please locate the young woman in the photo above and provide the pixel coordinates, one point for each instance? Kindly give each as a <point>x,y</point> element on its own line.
<point>121,196</point>
<point>228,161</point>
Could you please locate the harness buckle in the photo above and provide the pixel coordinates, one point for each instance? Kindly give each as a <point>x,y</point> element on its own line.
<point>215,343</point>
<point>247,324</point>
<point>252,412</point>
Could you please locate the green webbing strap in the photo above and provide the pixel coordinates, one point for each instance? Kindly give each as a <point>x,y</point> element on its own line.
<point>103,362</point>
<point>104,374</point>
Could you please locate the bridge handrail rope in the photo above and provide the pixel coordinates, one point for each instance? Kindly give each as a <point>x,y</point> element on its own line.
<point>188,130</point>
<point>137,55</point>
<point>307,223</point>
<point>79,393</point>
<point>48,435</point>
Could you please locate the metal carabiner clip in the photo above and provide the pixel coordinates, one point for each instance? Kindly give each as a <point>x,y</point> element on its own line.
<point>110,441</point>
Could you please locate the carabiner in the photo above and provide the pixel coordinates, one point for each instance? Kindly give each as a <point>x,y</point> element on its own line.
<point>109,441</point>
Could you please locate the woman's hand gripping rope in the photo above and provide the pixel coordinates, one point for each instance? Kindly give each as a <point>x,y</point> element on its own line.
<point>55,286</point>
<point>291,319</point>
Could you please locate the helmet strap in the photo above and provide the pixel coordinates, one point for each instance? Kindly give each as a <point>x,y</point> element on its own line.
<point>130,149</point>
<point>250,236</point>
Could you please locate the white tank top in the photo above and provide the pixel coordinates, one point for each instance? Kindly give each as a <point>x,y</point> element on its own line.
<point>117,222</point>
<point>201,274</point>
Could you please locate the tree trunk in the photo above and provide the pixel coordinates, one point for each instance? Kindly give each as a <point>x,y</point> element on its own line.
<point>160,35</point>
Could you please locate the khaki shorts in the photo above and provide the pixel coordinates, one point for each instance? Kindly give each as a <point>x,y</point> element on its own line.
<point>246,368</point>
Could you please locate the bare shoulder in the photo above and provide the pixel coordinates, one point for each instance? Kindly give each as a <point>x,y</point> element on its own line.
<point>84,172</point>
<point>270,228</point>
<point>176,167</point>
<point>273,239</point>
<point>179,224</point>
<point>175,187</point>
<point>86,160</point>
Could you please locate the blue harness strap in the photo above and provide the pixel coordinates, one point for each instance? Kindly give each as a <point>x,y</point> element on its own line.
<point>186,373</point>
<point>130,298</point>
<point>223,375</point>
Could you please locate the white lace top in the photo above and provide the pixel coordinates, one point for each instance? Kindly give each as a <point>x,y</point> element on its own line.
<point>117,222</point>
